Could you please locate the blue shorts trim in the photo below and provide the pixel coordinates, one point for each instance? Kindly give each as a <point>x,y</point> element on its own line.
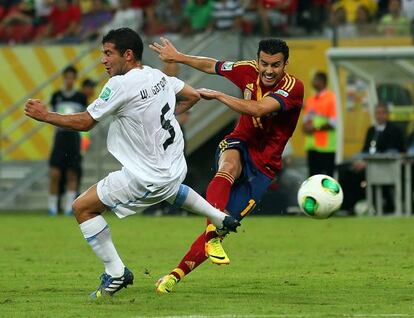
<point>249,188</point>
<point>181,196</point>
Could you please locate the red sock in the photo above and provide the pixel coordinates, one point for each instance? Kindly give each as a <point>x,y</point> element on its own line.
<point>218,193</point>
<point>194,257</point>
<point>218,190</point>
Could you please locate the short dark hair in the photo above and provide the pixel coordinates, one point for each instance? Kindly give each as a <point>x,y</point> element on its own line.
<point>70,69</point>
<point>88,83</point>
<point>383,105</point>
<point>274,46</point>
<point>322,76</point>
<point>124,39</point>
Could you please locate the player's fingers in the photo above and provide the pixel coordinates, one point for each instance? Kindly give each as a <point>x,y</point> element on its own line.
<point>167,42</point>
<point>154,48</point>
<point>157,46</point>
<point>164,40</point>
<point>27,110</point>
<point>204,90</point>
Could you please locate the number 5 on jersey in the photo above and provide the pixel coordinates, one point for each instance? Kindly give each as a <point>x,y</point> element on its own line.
<point>166,124</point>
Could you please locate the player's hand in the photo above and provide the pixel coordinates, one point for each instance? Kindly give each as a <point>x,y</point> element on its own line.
<point>166,51</point>
<point>208,93</point>
<point>36,109</point>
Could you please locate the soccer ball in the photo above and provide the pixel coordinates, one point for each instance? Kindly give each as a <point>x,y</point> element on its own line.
<point>320,196</point>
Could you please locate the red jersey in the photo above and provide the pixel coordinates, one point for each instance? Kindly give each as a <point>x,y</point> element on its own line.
<point>266,136</point>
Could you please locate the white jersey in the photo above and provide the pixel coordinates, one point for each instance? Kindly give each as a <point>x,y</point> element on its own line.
<point>144,135</point>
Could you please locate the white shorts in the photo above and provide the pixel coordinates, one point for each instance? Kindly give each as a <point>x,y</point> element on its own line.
<point>125,194</point>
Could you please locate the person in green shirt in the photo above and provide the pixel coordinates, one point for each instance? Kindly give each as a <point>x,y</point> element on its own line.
<point>197,14</point>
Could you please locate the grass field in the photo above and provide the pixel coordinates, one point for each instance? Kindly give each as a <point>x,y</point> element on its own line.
<point>281,267</point>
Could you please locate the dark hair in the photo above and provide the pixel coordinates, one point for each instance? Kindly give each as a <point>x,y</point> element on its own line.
<point>274,46</point>
<point>383,105</point>
<point>88,83</point>
<point>124,39</point>
<point>322,77</point>
<point>70,69</point>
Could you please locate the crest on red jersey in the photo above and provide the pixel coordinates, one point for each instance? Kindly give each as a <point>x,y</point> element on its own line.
<point>227,66</point>
<point>247,94</point>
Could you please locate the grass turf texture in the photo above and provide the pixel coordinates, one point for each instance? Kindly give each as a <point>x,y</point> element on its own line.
<point>281,267</point>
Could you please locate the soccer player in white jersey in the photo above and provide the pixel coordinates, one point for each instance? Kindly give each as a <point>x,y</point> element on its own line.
<point>145,138</point>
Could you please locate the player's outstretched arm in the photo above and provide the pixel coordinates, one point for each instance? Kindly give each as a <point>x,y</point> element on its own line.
<point>168,53</point>
<point>246,107</point>
<point>189,97</point>
<point>37,110</point>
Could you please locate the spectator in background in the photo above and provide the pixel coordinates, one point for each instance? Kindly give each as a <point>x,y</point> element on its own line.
<point>311,15</point>
<point>94,19</point>
<point>125,16</point>
<point>43,8</point>
<point>65,157</point>
<point>394,23</point>
<point>273,15</point>
<point>17,24</point>
<point>351,7</point>
<point>227,15</point>
<point>197,16</point>
<point>319,125</point>
<point>382,137</point>
<point>152,25</point>
<point>267,16</point>
<point>63,23</point>
<point>364,22</point>
<point>338,21</point>
<point>170,14</point>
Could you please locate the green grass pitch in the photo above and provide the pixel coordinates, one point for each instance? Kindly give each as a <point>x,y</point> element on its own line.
<point>281,267</point>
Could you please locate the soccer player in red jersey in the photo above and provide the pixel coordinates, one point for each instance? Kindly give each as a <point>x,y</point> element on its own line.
<point>250,156</point>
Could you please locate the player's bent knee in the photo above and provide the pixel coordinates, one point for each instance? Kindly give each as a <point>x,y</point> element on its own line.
<point>230,167</point>
<point>76,206</point>
<point>80,208</point>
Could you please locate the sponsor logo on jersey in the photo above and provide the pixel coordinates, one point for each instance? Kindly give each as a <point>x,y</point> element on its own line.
<point>106,94</point>
<point>282,92</point>
<point>227,66</point>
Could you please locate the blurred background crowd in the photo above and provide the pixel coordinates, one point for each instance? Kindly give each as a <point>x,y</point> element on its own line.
<point>30,55</point>
<point>74,21</point>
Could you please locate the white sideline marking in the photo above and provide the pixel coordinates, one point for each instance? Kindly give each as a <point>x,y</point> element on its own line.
<point>279,316</point>
<point>378,315</point>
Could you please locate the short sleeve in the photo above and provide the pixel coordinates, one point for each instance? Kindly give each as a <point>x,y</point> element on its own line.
<point>240,73</point>
<point>110,99</point>
<point>176,84</point>
<point>290,96</point>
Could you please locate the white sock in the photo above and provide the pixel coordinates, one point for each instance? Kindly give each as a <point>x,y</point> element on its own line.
<point>191,201</point>
<point>70,196</point>
<point>52,203</point>
<point>96,232</point>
